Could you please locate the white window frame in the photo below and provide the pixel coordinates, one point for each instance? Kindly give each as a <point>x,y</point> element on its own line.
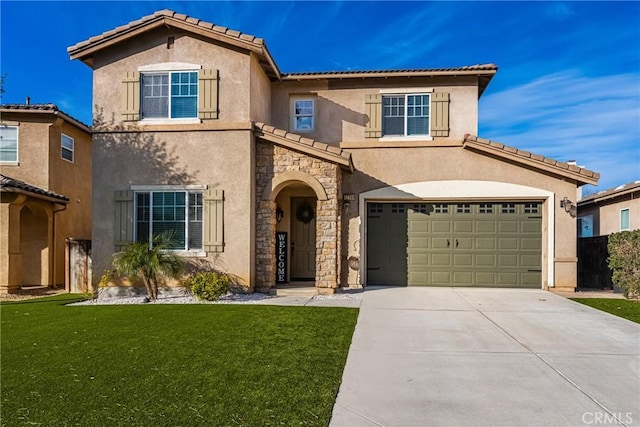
<point>628,211</point>
<point>294,116</point>
<point>406,94</point>
<point>17,160</point>
<point>150,71</point>
<point>63,148</point>
<point>188,189</point>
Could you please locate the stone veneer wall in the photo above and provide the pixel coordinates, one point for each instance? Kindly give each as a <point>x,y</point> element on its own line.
<point>272,160</point>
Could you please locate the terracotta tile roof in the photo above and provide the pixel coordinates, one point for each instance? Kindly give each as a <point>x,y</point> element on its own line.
<point>166,16</point>
<point>309,146</point>
<point>581,175</point>
<point>11,185</point>
<point>44,108</point>
<point>610,193</point>
<point>469,69</point>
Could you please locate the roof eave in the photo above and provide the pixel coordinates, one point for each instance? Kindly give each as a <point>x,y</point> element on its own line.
<point>44,197</point>
<point>408,73</point>
<point>578,176</point>
<point>56,113</point>
<point>608,196</point>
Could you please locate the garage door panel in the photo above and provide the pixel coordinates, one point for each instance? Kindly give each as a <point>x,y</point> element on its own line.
<point>508,243</point>
<point>508,278</point>
<point>419,243</point>
<point>464,278</point>
<point>438,226</point>
<point>530,279</point>
<point>438,260</point>
<point>508,260</point>
<point>440,242</point>
<point>530,243</point>
<point>418,260</point>
<point>485,226</point>
<point>460,226</point>
<point>486,243</point>
<point>486,260</point>
<point>418,225</point>
<point>508,227</point>
<point>463,243</point>
<point>441,277</point>
<point>485,278</point>
<point>534,227</point>
<point>530,261</point>
<point>463,260</point>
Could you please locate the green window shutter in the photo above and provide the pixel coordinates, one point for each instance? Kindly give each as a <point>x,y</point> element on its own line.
<point>373,110</point>
<point>213,224</point>
<point>208,94</point>
<point>440,114</point>
<point>131,97</point>
<point>123,226</point>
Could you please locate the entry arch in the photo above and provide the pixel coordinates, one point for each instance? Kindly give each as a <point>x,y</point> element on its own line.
<point>280,181</point>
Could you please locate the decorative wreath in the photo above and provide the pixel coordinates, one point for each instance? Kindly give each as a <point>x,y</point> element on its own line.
<point>304,213</point>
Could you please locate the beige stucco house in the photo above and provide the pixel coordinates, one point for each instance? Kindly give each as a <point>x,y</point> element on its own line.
<point>45,189</point>
<point>331,178</point>
<point>610,211</point>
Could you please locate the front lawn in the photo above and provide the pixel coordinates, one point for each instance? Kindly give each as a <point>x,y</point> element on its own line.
<point>620,307</point>
<point>170,365</point>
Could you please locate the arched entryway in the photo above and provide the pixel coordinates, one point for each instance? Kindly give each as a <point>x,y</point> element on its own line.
<point>34,245</point>
<point>297,226</point>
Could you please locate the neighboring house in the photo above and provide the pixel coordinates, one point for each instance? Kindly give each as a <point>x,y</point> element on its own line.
<point>610,211</point>
<point>45,166</point>
<point>336,178</point>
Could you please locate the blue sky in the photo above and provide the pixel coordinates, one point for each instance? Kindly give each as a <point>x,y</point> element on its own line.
<point>568,84</point>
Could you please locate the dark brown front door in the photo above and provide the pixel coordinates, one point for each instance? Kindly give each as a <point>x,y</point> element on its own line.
<point>303,238</point>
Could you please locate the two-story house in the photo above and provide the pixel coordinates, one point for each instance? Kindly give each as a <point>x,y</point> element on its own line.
<point>45,189</point>
<point>336,178</point>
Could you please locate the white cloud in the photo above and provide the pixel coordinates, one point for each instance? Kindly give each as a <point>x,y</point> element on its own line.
<point>594,120</point>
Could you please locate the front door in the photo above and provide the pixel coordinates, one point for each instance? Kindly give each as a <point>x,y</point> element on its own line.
<point>303,238</point>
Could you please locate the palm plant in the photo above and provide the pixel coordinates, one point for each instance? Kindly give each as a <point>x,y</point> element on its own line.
<point>147,262</point>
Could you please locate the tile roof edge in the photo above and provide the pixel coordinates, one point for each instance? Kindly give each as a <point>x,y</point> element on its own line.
<point>518,154</point>
<point>8,182</point>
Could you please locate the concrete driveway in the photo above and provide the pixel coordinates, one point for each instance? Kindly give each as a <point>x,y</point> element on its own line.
<point>487,357</point>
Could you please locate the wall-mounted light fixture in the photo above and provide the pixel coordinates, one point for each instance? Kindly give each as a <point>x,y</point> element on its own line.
<point>347,198</point>
<point>568,206</point>
<point>279,214</point>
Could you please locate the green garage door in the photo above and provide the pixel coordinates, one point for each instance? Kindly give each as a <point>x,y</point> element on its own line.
<point>461,244</point>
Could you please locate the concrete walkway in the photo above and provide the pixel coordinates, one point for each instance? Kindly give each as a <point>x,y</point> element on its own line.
<point>487,357</point>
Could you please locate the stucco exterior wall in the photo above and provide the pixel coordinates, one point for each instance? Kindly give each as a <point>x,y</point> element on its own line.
<point>606,214</point>
<point>340,106</point>
<point>260,96</point>
<point>217,159</point>
<point>33,149</point>
<point>379,168</point>
<point>150,48</point>
<point>74,181</point>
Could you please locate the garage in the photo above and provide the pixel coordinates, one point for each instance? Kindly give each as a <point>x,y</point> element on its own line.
<point>492,244</point>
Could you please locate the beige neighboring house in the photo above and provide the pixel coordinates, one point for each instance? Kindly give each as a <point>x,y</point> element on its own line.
<point>327,178</point>
<point>45,167</point>
<point>610,211</point>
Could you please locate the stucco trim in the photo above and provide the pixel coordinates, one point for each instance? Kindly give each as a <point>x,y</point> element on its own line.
<point>462,190</point>
<point>170,66</point>
<point>279,182</point>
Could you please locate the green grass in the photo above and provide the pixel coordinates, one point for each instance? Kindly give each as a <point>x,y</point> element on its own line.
<point>623,308</point>
<point>170,365</point>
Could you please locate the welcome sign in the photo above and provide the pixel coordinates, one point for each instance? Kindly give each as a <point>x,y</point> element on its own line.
<point>281,257</point>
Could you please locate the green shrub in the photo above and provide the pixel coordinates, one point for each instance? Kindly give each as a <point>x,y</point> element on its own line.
<point>209,285</point>
<point>624,261</point>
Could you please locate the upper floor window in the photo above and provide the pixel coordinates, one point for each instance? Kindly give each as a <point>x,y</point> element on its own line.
<point>66,148</point>
<point>172,95</point>
<point>624,219</point>
<point>8,144</point>
<point>405,115</point>
<point>585,226</point>
<point>303,115</point>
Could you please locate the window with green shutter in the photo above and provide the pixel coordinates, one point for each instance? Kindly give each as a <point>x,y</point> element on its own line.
<point>173,95</point>
<point>193,218</point>
<point>407,115</point>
